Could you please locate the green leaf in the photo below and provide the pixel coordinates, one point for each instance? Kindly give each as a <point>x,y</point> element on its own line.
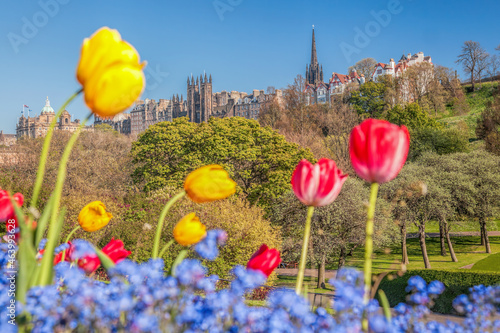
<point>47,266</point>
<point>43,221</point>
<point>106,261</point>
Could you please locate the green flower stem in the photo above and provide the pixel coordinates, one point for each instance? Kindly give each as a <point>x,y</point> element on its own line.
<point>54,231</point>
<point>303,256</point>
<point>159,226</point>
<point>369,242</point>
<point>177,261</point>
<point>165,248</point>
<point>45,150</point>
<point>67,240</point>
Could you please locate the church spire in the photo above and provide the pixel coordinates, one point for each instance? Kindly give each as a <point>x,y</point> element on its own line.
<point>314,57</point>
<point>314,74</point>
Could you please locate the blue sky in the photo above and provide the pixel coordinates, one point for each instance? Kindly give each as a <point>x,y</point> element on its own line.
<point>244,44</point>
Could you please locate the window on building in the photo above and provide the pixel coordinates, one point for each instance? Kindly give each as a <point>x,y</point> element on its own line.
<point>379,71</point>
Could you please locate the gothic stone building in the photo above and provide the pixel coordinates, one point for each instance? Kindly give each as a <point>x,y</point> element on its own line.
<point>317,91</point>
<point>200,105</point>
<point>199,99</point>
<point>36,127</point>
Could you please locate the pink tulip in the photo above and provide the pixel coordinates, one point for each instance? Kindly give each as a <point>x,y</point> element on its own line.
<point>378,150</point>
<point>319,184</point>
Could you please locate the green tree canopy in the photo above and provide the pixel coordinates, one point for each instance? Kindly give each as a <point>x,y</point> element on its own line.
<point>440,141</point>
<point>369,99</point>
<point>259,159</point>
<point>412,116</point>
<point>477,194</point>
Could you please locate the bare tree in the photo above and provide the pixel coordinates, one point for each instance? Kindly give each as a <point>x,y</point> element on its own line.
<point>472,53</point>
<point>337,124</point>
<point>419,78</point>
<point>365,66</point>
<point>482,65</point>
<point>493,66</point>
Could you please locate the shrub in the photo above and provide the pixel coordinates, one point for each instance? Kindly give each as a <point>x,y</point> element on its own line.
<point>457,282</point>
<point>440,141</point>
<point>136,221</point>
<point>258,158</point>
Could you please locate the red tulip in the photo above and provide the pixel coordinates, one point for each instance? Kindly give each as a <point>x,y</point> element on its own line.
<point>378,150</point>
<point>114,249</point>
<point>6,208</point>
<point>319,184</point>
<point>89,263</point>
<point>264,260</point>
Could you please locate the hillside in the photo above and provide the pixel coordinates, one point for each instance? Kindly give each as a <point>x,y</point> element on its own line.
<point>477,101</point>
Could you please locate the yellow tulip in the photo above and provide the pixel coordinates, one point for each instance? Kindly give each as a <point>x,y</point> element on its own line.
<point>110,73</point>
<point>189,230</point>
<point>209,183</point>
<point>94,216</point>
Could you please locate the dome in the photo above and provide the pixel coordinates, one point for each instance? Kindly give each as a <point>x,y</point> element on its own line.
<point>47,108</point>
<point>119,117</point>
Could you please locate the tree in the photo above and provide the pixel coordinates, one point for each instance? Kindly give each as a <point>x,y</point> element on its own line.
<point>412,116</point>
<point>493,66</point>
<point>479,199</point>
<point>336,229</point>
<point>259,159</point>
<point>440,141</point>
<point>482,65</point>
<point>488,125</point>
<point>369,99</point>
<point>271,114</point>
<point>471,55</point>
<point>417,198</point>
<point>338,124</point>
<point>365,66</point>
<point>454,93</point>
<point>418,79</point>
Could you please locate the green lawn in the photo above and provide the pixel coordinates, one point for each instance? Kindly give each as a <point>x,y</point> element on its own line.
<point>456,226</point>
<point>309,282</point>
<point>467,249</point>
<point>490,263</point>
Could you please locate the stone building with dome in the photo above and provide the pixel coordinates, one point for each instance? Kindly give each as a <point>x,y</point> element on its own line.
<point>38,126</point>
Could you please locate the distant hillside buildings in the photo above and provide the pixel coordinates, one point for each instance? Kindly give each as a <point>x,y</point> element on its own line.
<point>396,70</point>
<point>200,105</point>
<point>317,91</point>
<point>38,126</point>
